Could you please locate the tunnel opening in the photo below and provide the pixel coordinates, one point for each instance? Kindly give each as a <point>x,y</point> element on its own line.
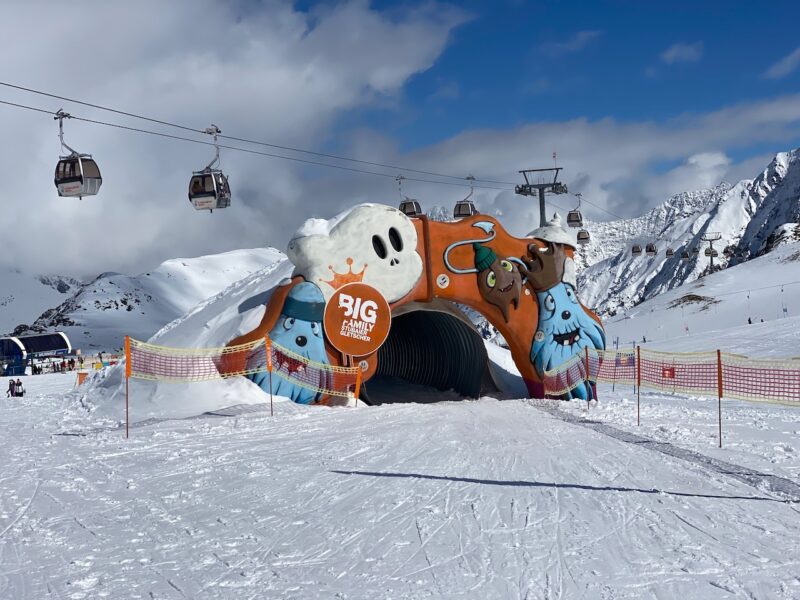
<point>433,353</point>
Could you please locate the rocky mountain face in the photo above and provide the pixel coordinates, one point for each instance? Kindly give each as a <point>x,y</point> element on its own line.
<point>746,220</point>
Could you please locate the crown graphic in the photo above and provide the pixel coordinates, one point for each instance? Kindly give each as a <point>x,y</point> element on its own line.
<point>340,279</point>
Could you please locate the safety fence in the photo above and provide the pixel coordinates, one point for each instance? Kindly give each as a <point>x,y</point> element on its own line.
<point>191,365</point>
<point>715,373</point>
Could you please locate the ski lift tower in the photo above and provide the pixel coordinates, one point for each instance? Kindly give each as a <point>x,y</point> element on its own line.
<point>538,182</point>
<point>711,237</point>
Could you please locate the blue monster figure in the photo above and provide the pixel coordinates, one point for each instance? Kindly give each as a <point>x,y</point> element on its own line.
<point>299,330</point>
<point>564,327</point>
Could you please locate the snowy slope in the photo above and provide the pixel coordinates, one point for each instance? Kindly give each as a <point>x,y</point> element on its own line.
<point>104,311</point>
<point>715,309</point>
<point>23,297</point>
<point>460,500</point>
<point>751,218</point>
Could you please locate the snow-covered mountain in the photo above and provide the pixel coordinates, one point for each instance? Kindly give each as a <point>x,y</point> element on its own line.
<point>102,312</point>
<point>23,297</point>
<point>750,218</point>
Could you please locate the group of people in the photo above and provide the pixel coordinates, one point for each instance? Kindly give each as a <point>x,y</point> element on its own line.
<point>57,367</point>
<point>15,388</point>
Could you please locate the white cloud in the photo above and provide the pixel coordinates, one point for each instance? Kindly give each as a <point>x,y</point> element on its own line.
<point>784,66</point>
<point>682,52</point>
<point>577,42</point>
<point>262,71</point>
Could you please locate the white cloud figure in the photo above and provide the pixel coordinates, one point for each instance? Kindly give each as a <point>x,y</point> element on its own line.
<point>682,52</point>
<point>378,240</point>
<point>784,66</point>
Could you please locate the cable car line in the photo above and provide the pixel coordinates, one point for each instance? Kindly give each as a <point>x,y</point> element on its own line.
<point>248,150</point>
<point>245,140</point>
<point>290,148</point>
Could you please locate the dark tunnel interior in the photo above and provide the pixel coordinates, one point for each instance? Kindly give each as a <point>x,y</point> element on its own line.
<point>433,349</point>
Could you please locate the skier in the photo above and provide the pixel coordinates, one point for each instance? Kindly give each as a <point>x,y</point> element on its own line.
<point>749,321</point>
<point>19,389</point>
<point>12,388</point>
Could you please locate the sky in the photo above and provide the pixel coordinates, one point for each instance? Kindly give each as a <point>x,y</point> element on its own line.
<point>638,100</point>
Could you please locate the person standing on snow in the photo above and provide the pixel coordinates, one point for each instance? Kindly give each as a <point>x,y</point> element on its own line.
<point>20,391</point>
<point>12,388</point>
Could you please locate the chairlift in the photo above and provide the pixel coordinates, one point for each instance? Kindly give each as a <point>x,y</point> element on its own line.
<point>77,175</point>
<point>583,237</point>
<point>636,250</point>
<point>209,189</point>
<point>684,255</point>
<point>466,208</point>
<point>650,249</point>
<point>670,252</point>
<point>574,217</point>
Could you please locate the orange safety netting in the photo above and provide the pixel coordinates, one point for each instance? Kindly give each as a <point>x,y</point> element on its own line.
<point>186,365</point>
<point>696,373</point>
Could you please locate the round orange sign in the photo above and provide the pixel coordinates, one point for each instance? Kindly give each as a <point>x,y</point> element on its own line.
<point>357,319</point>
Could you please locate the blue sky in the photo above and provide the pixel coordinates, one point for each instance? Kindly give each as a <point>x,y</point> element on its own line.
<point>518,62</point>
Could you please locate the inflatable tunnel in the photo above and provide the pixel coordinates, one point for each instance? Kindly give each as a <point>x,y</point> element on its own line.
<point>433,345</point>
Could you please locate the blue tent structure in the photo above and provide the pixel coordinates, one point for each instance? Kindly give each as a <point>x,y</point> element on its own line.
<point>16,351</point>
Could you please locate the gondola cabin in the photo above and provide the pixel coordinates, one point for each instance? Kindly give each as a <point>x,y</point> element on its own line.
<point>574,218</point>
<point>583,237</point>
<point>695,251</point>
<point>636,250</point>
<point>684,255</point>
<point>670,252</point>
<point>463,209</point>
<point>707,252</point>
<point>650,250</point>
<point>410,208</point>
<point>209,190</point>
<point>77,175</point>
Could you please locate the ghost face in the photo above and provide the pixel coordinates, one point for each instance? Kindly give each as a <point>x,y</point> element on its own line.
<point>298,337</point>
<point>500,285</point>
<point>378,243</point>
<point>564,330</point>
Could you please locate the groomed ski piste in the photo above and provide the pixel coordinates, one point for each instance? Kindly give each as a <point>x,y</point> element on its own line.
<point>491,498</point>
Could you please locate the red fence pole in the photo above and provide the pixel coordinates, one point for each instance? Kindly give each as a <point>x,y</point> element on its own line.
<point>719,394</point>
<point>128,371</point>
<point>638,380</point>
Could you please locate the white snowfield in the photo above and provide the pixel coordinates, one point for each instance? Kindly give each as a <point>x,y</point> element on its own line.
<point>479,499</point>
<point>213,498</point>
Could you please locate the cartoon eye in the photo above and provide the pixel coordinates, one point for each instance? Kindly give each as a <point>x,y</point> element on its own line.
<point>571,295</point>
<point>506,265</point>
<point>491,279</point>
<point>379,246</point>
<point>288,322</point>
<point>395,239</point>
<point>549,303</point>
<point>315,329</point>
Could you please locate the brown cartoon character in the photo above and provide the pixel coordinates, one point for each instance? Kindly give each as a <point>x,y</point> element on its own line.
<point>544,266</point>
<point>499,280</point>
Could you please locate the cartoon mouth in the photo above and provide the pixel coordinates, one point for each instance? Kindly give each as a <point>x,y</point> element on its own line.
<point>505,289</point>
<point>289,364</point>
<point>567,339</point>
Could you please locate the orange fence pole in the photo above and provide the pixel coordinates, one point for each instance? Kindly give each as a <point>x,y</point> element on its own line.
<point>358,384</point>
<point>268,347</point>
<point>638,380</point>
<point>128,371</point>
<point>719,394</point>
